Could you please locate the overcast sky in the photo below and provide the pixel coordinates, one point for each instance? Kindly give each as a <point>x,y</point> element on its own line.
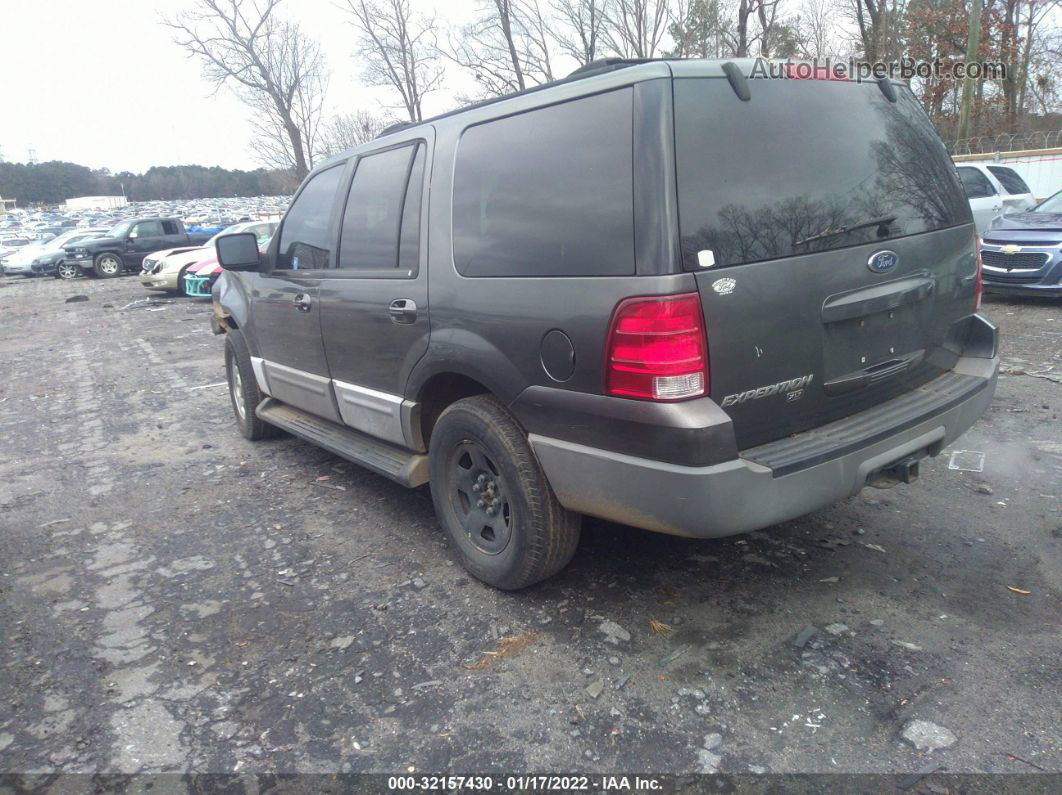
<point>102,84</point>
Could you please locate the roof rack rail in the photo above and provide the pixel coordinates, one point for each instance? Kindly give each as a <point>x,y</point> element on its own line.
<point>602,65</point>
<point>390,128</point>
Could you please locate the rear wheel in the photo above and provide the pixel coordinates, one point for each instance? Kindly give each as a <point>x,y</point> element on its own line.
<point>243,389</point>
<point>493,500</point>
<point>67,270</point>
<point>107,266</point>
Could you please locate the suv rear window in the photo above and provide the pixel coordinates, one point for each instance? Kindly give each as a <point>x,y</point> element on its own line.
<point>548,192</point>
<point>975,183</point>
<point>800,160</point>
<point>1009,179</point>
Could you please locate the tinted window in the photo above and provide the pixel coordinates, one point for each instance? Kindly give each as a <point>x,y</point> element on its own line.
<point>170,228</point>
<point>305,239</point>
<point>975,183</point>
<point>374,210</point>
<point>775,176</point>
<point>149,229</point>
<point>548,192</point>
<point>1009,179</point>
<point>409,245</point>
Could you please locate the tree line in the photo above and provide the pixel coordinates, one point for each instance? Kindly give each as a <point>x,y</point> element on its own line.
<point>54,182</point>
<point>279,71</point>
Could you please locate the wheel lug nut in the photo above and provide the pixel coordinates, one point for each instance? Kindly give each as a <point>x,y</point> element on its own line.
<point>490,512</point>
<point>480,503</point>
<point>475,488</point>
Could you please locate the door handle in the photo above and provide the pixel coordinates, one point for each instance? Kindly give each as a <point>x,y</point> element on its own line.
<point>302,302</point>
<point>403,310</point>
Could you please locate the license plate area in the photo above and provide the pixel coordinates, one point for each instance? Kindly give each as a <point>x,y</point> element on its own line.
<point>862,350</point>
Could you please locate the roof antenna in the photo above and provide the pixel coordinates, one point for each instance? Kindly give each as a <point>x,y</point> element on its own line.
<point>737,79</point>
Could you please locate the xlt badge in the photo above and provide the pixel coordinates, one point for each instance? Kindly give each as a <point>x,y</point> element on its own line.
<point>794,389</point>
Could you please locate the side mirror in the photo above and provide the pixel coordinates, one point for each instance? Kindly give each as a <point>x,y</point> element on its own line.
<point>238,252</point>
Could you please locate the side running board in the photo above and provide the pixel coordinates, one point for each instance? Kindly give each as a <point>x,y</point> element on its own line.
<point>401,466</point>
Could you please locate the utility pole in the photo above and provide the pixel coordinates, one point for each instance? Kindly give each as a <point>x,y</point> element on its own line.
<point>972,42</point>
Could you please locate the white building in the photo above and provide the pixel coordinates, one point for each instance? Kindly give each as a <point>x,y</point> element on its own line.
<point>96,203</point>
<point>6,205</point>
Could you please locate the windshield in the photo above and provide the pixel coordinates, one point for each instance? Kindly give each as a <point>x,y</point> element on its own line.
<point>805,166</point>
<point>1051,205</point>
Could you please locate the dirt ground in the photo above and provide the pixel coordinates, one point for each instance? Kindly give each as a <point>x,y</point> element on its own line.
<point>174,598</point>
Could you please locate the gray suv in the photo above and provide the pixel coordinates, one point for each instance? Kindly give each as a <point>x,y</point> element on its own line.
<point>662,293</point>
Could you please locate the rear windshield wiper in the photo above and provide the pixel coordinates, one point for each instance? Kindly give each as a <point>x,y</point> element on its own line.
<point>885,220</point>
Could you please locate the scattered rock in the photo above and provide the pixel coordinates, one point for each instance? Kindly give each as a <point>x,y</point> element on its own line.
<point>614,660</point>
<point>76,299</point>
<point>759,770</point>
<point>877,622</point>
<point>418,583</point>
<point>927,736</point>
<point>903,644</point>
<point>708,761</point>
<point>806,634</point>
<point>613,632</point>
<point>713,741</point>
<point>836,629</point>
<point>343,642</point>
<point>984,488</point>
<point>595,688</point>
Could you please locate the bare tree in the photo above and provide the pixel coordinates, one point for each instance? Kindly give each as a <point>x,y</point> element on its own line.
<point>580,23</point>
<point>507,47</point>
<point>349,130</point>
<point>636,27</point>
<point>814,27</point>
<point>879,24</point>
<point>275,68</point>
<point>400,50</point>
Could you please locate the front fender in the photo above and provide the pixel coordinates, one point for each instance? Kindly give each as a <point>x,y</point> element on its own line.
<point>232,300</point>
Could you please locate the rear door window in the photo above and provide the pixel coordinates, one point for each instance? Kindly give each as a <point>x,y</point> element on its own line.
<point>548,192</point>
<point>779,175</point>
<point>306,236</point>
<point>373,213</point>
<point>975,183</point>
<point>149,229</point>
<point>1009,179</point>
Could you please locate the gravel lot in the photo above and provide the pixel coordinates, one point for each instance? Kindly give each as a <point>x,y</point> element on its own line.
<point>176,598</point>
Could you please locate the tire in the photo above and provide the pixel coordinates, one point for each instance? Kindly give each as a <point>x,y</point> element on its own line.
<point>477,449</point>
<point>243,389</point>
<point>180,281</point>
<point>107,266</point>
<point>67,270</point>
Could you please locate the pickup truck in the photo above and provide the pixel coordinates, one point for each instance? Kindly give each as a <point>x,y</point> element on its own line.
<point>126,245</point>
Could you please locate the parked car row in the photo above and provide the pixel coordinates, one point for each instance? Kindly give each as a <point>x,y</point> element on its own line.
<point>67,244</point>
<point>179,269</point>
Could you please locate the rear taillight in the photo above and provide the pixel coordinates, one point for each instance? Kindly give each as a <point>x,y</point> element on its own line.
<point>656,349</point>
<point>979,284</point>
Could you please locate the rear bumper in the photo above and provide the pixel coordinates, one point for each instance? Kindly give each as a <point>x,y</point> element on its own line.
<point>802,474</point>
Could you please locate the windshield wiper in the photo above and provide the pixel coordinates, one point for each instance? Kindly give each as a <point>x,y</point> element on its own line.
<point>885,220</point>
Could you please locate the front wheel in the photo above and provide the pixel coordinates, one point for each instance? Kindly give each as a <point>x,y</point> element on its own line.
<point>493,500</point>
<point>107,266</point>
<point>67,270</point>
<point>243,389</point>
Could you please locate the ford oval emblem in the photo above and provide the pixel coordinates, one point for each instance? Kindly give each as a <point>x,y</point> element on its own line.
<point>882,261</point>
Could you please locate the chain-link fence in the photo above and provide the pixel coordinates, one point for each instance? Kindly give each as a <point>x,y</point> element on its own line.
<point>1005,142</point>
